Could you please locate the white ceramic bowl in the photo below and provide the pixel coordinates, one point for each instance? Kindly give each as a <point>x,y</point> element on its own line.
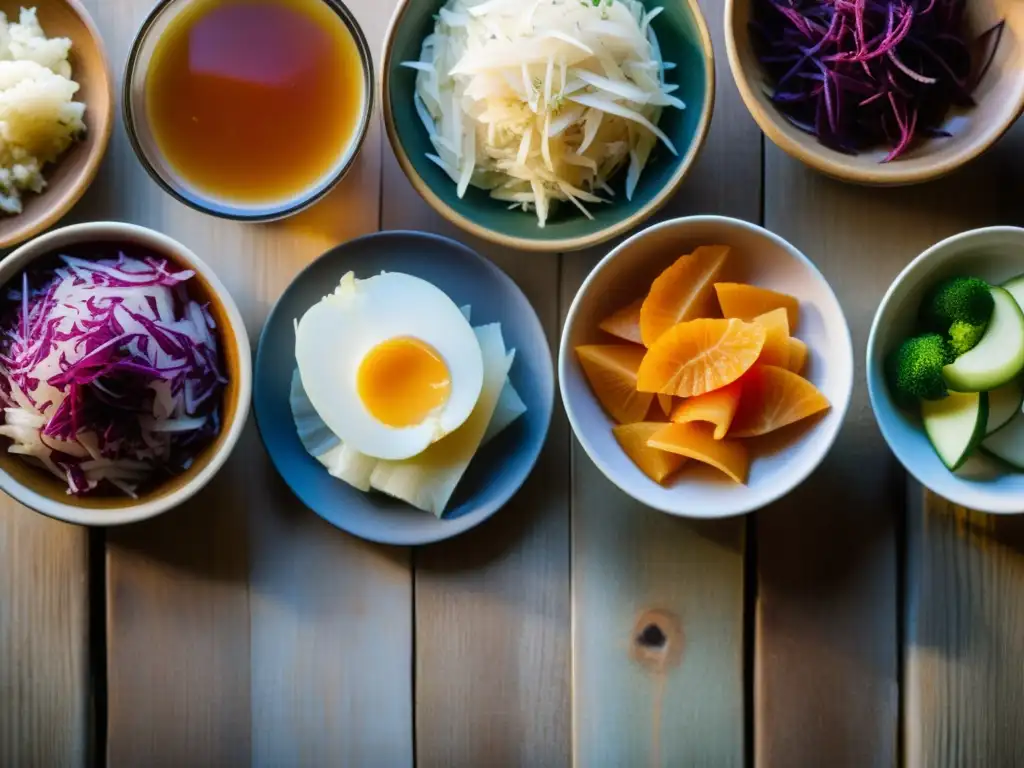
<point>42,492</point>
<point>994,254</point>
<point>758,257</point>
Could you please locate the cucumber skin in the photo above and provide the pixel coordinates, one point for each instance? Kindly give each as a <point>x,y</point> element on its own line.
<point>1007,283</point>
<point>967,386</point>
<point>1008,465</point>
<point>1018,409</point>
<point>979,430</point>
<point>980,425</point>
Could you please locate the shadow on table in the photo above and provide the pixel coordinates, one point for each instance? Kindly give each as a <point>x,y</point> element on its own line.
<point>210,536</point>
<point>963,575</point>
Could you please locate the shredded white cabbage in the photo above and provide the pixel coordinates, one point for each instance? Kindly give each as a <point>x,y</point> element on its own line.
<point>543,100</point>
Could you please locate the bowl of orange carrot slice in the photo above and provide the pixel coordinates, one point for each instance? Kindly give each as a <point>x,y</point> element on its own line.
<point>706,367</point>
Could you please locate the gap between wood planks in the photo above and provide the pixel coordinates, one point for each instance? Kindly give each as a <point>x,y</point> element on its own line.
<point>97,640</point>
<point>750,574</point>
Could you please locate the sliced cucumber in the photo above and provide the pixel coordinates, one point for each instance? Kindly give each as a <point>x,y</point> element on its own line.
<point>1007,445</point>
<point>955,425</point>
<point>1015,286</point>
<point>999,356</point>
<point>1003,404</point>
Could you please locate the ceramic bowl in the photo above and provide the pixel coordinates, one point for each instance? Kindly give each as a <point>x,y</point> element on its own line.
<point>41,491</point>
<point>498,469</point>
<point>780,462</point>
<point>70,176</point>
<point>684,38</point>
<point>994,254</point>
<point>144,143</point>
<point>999,96</point>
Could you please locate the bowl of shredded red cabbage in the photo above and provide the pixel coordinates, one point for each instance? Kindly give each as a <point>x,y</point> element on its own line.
<point>878,91</point>
<point>111,376</point>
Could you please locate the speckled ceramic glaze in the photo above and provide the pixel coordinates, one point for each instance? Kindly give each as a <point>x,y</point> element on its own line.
<point>501,466</point>
<point>684,39</point>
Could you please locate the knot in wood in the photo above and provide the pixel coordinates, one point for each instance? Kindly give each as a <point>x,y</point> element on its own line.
<point>657,640</point>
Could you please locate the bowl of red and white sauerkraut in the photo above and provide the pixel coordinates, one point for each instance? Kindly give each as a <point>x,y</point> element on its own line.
<point>125,374</point>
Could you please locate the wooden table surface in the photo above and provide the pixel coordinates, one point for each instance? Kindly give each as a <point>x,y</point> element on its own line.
<point>859,622</point>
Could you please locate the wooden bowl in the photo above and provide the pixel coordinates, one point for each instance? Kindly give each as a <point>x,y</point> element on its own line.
<point>37,488</point>
<point>999,97</point>
<point>69,177</point>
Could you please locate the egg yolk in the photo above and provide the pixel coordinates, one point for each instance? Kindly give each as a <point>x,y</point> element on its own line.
<point>402,381</point>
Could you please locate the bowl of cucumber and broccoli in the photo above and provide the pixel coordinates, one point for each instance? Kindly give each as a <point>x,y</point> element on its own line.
<point>945,365</point>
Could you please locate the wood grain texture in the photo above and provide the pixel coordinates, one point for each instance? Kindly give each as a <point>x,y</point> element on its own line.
<point>826,643</point>
<point>964,621</point>
<point>492,606</point>
<point>965,636</point>
<point>242,629</point>
<point>827,556</point>
<point>632,566</point>
<point>45,687</point>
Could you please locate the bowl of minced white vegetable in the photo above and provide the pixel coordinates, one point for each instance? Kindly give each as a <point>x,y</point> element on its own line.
<point>547,125</point>
<point>56,108</point>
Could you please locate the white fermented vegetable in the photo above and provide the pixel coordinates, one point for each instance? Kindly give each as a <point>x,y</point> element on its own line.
<point>428,490</point>
<point>543,100</point>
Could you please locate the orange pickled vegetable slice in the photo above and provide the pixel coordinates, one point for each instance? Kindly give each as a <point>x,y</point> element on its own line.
<point>657,465</point>
<point>611,370</point>
<point>748,301</point>
<point>700,356</point>
<point>717,408</point>
<point>667,404</point>
<point>695,441</point>
<point>774,398</point>
<point>776,342</point>
<point>797,355</point>
<point>682,292</point>
<point>624,323</point>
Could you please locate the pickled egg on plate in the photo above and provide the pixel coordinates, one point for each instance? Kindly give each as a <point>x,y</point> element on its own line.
<point>390,364</point>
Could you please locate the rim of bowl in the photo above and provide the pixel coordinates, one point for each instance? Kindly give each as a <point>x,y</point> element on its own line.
<point>565,243</point>
<point>97,230</point>
<point>839,408</point>
<point>62,205</point>
<point>876,397</point>
<point>271,212</point>
<point>549,403</point>
<point>876,175</point>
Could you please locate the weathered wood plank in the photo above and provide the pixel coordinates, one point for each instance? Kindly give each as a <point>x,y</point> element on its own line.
<point>45,683</point>
<point>492,606</point>
<point>242,629</point>
<point>827,556</point>
<point>826,604</point>
<point>632,566</point>
<point>964,626</point>
<point>965,636</point>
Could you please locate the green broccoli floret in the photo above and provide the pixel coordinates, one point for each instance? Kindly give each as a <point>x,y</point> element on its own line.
<point>964,336</point>
<point>965,299</point>
<point>915,369</point>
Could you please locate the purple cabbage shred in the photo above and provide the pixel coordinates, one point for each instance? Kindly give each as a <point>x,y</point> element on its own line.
<point>109,372</point>
<point>860,74</point>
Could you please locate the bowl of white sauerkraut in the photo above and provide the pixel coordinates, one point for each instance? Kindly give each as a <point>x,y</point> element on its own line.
<point>547,125</point>
<point>56,109</point>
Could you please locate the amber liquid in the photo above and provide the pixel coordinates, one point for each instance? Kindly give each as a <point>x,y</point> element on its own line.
<point>255,101</point>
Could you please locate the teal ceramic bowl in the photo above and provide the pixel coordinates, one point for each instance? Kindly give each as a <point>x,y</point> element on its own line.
<point>684,39</point>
